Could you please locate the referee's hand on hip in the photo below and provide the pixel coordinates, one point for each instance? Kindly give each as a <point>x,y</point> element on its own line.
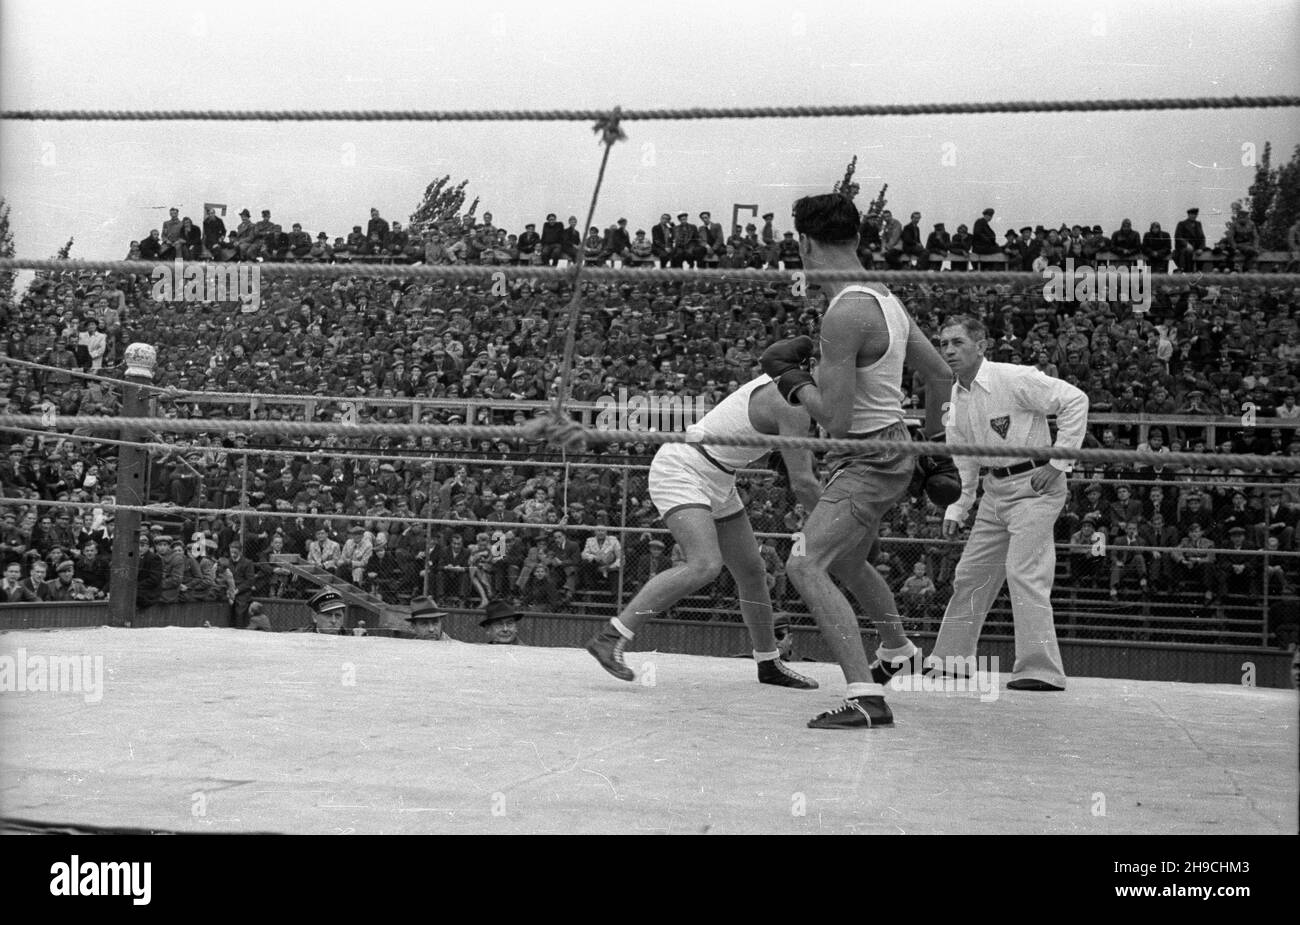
<point>1044,477</point>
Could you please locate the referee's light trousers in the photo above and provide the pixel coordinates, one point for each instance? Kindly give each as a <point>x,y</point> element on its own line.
<point>1011,542</point>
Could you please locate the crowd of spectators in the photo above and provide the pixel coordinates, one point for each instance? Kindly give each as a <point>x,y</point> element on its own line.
<point>705,243</point>
<point>372,350</point>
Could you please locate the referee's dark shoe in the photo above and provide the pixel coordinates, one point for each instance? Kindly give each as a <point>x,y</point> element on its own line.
<point>606,647</point>
<point>774,671</point>
<point>1031,684</point>
<point>882,671</point>
<point>855,713</point>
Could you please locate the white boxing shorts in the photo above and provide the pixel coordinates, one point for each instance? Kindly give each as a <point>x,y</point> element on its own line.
<point>682,476</point>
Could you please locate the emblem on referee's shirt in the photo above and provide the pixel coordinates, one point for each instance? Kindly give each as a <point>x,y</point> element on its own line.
<point>1001,425</point>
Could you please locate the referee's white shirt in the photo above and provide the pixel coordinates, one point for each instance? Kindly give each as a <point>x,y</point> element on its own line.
<point>1024,395</point>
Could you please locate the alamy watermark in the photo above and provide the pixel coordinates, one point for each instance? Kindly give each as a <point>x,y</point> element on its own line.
<point>645,413</point>
<point>1107,284</point>
<point>55,674</point>
<point>954,674</point>
<point>208,282</point>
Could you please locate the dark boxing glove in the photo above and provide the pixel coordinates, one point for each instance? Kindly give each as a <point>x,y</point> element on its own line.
<point>938,476</point>
<point>784,360</point>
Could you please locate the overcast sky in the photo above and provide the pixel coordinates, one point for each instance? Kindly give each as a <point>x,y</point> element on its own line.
<point>106,183</point>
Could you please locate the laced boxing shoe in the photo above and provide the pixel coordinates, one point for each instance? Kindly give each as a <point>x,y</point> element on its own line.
<point>607,648</point>
<point>882,671</point>
<point>774,671</point>
<point>865,712</point>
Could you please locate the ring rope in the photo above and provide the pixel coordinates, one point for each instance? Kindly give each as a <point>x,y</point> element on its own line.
<point>415,454</point>
<point>1162,281</point>
<point>208,513</point>
<point>587,115</point>
<point>539,429</point>
<point>171,393</point>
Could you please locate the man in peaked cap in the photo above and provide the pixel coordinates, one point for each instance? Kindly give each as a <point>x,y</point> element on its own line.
<point>328,611</point>
<point>501,624</point>
<point>426,620</point>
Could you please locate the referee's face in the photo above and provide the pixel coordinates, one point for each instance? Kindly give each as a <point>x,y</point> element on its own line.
<point>960,351</point>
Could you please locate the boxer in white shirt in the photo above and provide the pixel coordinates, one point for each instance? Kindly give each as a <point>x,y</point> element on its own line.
<point>1012,539</point>
<point>693,486</point>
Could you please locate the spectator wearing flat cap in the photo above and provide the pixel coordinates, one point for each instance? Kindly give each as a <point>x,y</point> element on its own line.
<point>500,624</point>
<point>685,242</point>
<point>426,620</point>
<point>355,554</point>
<point>328,612</point>
<point>938,242</point>
<point>66,586</point>
<point>1189,241</point>
<point>712,243</point>
<point>616,243</point>
<point>172,582</point>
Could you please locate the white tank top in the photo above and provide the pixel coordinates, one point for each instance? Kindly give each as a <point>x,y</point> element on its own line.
<point>878,397</point>
<point>730,418</point>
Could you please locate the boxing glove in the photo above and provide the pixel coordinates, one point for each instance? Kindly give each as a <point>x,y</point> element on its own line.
<point>784,360</point>
<point>937,476</point>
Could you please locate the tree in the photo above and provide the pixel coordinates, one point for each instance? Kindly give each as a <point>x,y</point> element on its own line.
<point>847,186</point>
<point>1260,195</point>
<point>441,205</point>
<point>64,250</point>
<point>6,250</point>
<point>878,204</point>
<point>1284,208</point>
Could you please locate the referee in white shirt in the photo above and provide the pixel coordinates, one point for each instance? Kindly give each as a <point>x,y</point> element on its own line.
<point>1012,539</point>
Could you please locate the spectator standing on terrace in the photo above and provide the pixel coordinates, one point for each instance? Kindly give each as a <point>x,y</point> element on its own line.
<point>378,226</point>
<point>1189,241</point>
<point>95,342</point>
<point>171,231</point>
<point>984,240</point>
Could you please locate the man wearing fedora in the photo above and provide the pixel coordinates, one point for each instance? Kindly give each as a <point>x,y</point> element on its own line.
<point>426,620</point>
<point>501,624</point>
<point>328,611</point>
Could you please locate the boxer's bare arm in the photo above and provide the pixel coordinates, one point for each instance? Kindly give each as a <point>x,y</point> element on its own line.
<point>926,360</point>
<point>846,327</point>
<point>793,421</point>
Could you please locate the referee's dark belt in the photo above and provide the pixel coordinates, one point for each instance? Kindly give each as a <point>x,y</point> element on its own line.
<point>1006,471</point>
<point>705,453</point>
